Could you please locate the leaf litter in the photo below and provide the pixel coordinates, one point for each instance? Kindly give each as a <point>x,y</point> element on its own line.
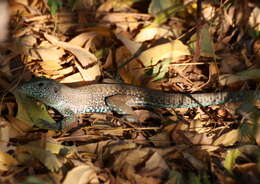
<point>145,43</point>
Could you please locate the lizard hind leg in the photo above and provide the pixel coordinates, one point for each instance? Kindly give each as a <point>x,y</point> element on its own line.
<point>119,104</point>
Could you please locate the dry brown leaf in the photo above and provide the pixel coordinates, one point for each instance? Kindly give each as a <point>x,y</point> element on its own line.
<point>82,174</point>
<point>4,135</point>
<point>18,128</point>
<point>161,139</point>
<point>66,71</point>
<point>50,67</point>
<point>94,148</point>
<point>254,20</point>
<point>124,21</point>
<point>4,17</point>
<point>131,45</point>
<point>84,56</point>
<point>82,38</point>
<point>121,147</point>
<point>76,77</point>
<point>25,46</point>
<point>150,33</point>
<point>113,131</point>
<point>198,164</point>
<point>7,162</point>
<point>156,161</point>
<point>50,57</point>
<point>85,73</point>
<point>196,138</point>
<point>173,49</point>
<point>257,135</point>
<point>131,74</point>
<point>228,139</point>
<point>228,79</point>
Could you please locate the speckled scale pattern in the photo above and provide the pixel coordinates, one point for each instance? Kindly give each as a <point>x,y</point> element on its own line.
<point>93,98</point>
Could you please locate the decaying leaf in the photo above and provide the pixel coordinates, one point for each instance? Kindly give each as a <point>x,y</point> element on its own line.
<point>206,42</point>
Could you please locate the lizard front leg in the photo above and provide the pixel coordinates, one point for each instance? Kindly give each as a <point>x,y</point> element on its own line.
<point>68,119</point>
<point>119,104</point>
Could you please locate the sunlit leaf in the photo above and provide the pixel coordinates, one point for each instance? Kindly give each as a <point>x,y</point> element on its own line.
<point>7,161</point>
<point>230,159</point>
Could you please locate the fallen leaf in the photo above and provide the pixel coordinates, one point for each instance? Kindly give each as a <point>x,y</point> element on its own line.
<point>86,58</point>
<point>228,138</point>
<point>230,159</point>
<point>76,77</point>
<point>173,49</point>
<point>44,156</point>
<point>149,33</point>
<point>4,17</point>
<point>206,42</point>
<point>82,174</point>
<point>157,6</point>
<point>229,79</point>
<point>30,112</point>
<point>7,162</point>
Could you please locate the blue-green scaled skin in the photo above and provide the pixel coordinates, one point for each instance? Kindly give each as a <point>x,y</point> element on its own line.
<point>101,98</point>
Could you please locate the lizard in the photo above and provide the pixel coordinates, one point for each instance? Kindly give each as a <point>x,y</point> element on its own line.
<point>117,97</point>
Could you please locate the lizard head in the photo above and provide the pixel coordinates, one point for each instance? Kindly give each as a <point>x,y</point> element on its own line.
<point>41,89</point>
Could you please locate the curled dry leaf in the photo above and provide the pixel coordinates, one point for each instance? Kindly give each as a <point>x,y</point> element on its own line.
<point>82,174</point>
<point>173,49</point>
<point>85,58</point>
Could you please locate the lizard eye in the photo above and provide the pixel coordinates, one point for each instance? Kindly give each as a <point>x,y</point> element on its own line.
<point>55,90</point>
<point>41,84</point>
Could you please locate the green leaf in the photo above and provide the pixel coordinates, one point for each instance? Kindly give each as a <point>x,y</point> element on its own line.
<point>206,42</point>
<point>31,112</point>
<point>163,16</point>
<point>230,159</point>
<point>157,6</point>
<point>158,71</point>
<point>54,5</point>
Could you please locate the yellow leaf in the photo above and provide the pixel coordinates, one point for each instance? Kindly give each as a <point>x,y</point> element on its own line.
<point>228,138</point>
<point>231,158</point>
<point>173,49</point>
<point>6,161</point>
